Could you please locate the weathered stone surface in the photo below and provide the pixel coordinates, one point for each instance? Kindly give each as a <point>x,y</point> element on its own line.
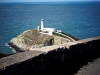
<point>17,58</point>
<point>82,41</point>
<point>58,61</point>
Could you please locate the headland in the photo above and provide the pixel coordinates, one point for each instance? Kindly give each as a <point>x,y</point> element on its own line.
<point>38,38</point>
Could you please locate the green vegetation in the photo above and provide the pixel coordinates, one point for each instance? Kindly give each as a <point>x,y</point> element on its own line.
<point>70,36</point>
<point>64,35</point>
<point>60,35</point>
<point>31,38</point>
<point>34,37</point>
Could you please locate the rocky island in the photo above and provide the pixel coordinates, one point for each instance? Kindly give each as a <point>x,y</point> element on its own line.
<point>40,37</point>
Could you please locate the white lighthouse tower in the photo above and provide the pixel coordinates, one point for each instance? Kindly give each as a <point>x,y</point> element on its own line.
<point>42,26</point>
<point>44,30</point>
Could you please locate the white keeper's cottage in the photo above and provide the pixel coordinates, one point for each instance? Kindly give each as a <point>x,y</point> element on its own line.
<point>48,31</point>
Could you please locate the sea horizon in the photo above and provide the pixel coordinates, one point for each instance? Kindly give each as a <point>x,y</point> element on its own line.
<point>60,2</point>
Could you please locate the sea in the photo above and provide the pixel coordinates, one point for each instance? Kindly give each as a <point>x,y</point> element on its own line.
<point>80,19</point>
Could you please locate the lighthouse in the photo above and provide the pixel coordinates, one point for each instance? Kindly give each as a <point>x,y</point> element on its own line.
<point>44,30</point>
<point>42,26</point>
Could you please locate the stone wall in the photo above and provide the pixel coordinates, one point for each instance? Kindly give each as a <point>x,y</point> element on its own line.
<point>61,61</point>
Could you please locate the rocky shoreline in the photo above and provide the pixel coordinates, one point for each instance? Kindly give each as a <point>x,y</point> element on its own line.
<point>17,49</point>
<point>31,39</point>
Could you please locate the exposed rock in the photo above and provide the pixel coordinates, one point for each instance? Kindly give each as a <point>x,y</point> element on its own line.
<point>30,38</point>
<point>34,39</point>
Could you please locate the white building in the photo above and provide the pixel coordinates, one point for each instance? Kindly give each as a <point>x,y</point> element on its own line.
<point>48,31</point>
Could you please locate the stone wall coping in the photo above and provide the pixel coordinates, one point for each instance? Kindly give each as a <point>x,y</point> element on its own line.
<point>17,58</point>
<point>82,41</point>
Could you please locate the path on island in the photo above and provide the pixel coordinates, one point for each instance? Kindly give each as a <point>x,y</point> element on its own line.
<point>54,47</point>
<point>66,36</point>
<point>65,45</point>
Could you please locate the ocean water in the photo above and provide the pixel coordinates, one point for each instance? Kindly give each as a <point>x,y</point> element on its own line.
<point>81,20</point>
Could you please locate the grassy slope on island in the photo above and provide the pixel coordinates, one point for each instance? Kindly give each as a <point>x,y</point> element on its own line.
<point>33,38</point>
<point>64,35</point>
<point>70,36</point>
<point>30,38</point>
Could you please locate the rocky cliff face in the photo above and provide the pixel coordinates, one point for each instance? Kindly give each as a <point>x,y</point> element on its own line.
<point>30,38</point>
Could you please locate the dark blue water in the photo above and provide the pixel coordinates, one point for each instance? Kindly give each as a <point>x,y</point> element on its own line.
<point>81,20</point>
